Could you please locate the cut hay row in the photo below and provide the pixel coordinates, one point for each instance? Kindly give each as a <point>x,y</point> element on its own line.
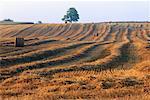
<point>39,54</point>
<point>83,52</point>
<point>17,34</point>
<point>114,36</point>
<point>3,27</point>
<point>44,29</point>
<point>100,64</point>
<point>88,33</point>
<point>145,36</point>
<point>106,63</point>
<point>30,31</point>
<point>54,28</point>
<point>74,29</point>
<point>61,31</point>
<point>58,29</point>
<point>142,54</point>
<point>106,33</point>
<point>110,33</point>
<point>49,62</point>
<point>79,31</point>
<point>135,38</point>
<point>111,61</point>
<point>94,34</point>
<point>115,53</point>
<point>9,32</point>
<point>65,31</point>
<point>85,29</point>
<point>139,35</point>
<point>101,31</point>
<point>119,35</point>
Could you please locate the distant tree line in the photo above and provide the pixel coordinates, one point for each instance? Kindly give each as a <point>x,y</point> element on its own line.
<point>9,20</point>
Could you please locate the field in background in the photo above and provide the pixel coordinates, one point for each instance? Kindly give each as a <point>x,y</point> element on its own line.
<point>75,61</point>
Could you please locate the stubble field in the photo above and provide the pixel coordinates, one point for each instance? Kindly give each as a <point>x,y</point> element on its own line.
<point>75,61</point>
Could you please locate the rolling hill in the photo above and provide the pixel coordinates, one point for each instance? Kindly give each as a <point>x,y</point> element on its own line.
<point>75,61</point>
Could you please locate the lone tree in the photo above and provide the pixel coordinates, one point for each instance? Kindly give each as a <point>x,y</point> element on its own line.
<point>71,16</point>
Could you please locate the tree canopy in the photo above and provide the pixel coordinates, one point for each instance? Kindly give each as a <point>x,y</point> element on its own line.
<point>71,15</point>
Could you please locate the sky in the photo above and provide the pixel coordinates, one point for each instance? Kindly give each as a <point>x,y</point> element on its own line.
<point>51,11</point>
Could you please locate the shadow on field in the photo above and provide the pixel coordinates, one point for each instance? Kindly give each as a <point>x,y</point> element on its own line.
<point>41,42</point>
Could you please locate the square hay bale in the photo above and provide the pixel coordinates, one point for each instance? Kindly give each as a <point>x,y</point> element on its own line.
<point>19,42</point>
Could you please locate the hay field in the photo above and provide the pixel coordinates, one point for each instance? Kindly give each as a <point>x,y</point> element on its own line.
<point>75,61</point>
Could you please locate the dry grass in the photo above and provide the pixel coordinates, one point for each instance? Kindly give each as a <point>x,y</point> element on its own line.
<point>104,61</point>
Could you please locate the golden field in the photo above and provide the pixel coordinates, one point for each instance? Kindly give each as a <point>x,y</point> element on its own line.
<point>102,61</point>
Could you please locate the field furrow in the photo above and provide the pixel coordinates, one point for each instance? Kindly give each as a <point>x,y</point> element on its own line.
<point>63,61</point>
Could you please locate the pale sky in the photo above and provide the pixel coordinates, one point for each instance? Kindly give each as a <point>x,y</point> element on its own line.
<point>51,11</point>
